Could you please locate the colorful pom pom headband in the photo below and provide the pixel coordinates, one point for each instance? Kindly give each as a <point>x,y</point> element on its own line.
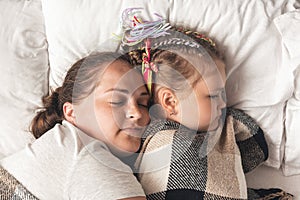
<point>136,31</point>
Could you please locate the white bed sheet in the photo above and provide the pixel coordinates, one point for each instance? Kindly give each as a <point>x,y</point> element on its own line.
<point>289,27</point>
<point>268,177</point>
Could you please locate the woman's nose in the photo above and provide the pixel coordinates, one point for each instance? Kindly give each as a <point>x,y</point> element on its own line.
<point>133,111</point>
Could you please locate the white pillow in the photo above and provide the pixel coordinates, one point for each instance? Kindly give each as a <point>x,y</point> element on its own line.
<point>258,81</point>
<point>23,65</point>
<point>74,28</point>
<point>289,27</point>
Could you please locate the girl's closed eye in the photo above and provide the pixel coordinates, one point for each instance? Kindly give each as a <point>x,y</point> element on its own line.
<point>214,96</point>
<point>219,94</point>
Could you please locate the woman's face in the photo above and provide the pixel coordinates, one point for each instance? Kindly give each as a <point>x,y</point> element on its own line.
<point>117,111</point>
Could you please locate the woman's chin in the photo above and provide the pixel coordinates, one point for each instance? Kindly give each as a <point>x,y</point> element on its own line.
<point>125,151</point>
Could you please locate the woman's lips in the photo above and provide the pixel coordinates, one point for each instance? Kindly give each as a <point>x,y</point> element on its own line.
<point>134,131</point>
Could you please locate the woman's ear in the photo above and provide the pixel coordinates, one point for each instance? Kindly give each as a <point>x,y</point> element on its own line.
<point>68,110</point>
<point>168,101</point>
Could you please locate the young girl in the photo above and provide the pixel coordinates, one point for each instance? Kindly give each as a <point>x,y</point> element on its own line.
<point>198,161</point>
<point>97,115</point>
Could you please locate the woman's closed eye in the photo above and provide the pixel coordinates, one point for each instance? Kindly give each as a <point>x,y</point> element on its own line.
<point>118,101</point>
<point>143,102</point>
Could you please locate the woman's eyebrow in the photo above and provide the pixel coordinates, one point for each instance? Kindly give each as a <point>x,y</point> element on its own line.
<point>117,90</point>
<point>124,91</point>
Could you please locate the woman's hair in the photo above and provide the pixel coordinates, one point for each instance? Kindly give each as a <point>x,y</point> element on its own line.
<point>173,69</point>
<point>81,80</point>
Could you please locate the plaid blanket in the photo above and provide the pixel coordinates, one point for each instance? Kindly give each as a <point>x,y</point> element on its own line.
<point>177,163</point>
<point>12,189</point>
<point>268,194</point>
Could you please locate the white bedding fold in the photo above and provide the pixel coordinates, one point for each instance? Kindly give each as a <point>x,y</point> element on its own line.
<point>289,27</point>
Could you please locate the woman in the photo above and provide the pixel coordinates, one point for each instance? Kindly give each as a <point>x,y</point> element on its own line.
<point>85,126</point>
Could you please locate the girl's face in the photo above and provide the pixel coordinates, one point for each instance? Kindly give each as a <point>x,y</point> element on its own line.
<point>202,110</point>
<point>117,111</point>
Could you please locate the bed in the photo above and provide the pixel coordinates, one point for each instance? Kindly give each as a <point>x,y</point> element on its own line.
<point>40,39</point>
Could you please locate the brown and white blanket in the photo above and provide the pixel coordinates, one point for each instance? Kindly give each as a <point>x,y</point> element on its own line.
<point>177,163</point>
<point>12,189</point>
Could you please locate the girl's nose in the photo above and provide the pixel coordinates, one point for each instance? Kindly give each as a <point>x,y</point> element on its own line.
<point>222,101</point>
<point>222,104</point>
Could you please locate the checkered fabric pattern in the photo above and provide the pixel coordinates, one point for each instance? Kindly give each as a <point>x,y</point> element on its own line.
<point>268,194</point>
<point>176,163</point>
<point>12,189</point>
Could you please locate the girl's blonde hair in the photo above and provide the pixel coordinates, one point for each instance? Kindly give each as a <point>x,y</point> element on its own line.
<point>167,55</point>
